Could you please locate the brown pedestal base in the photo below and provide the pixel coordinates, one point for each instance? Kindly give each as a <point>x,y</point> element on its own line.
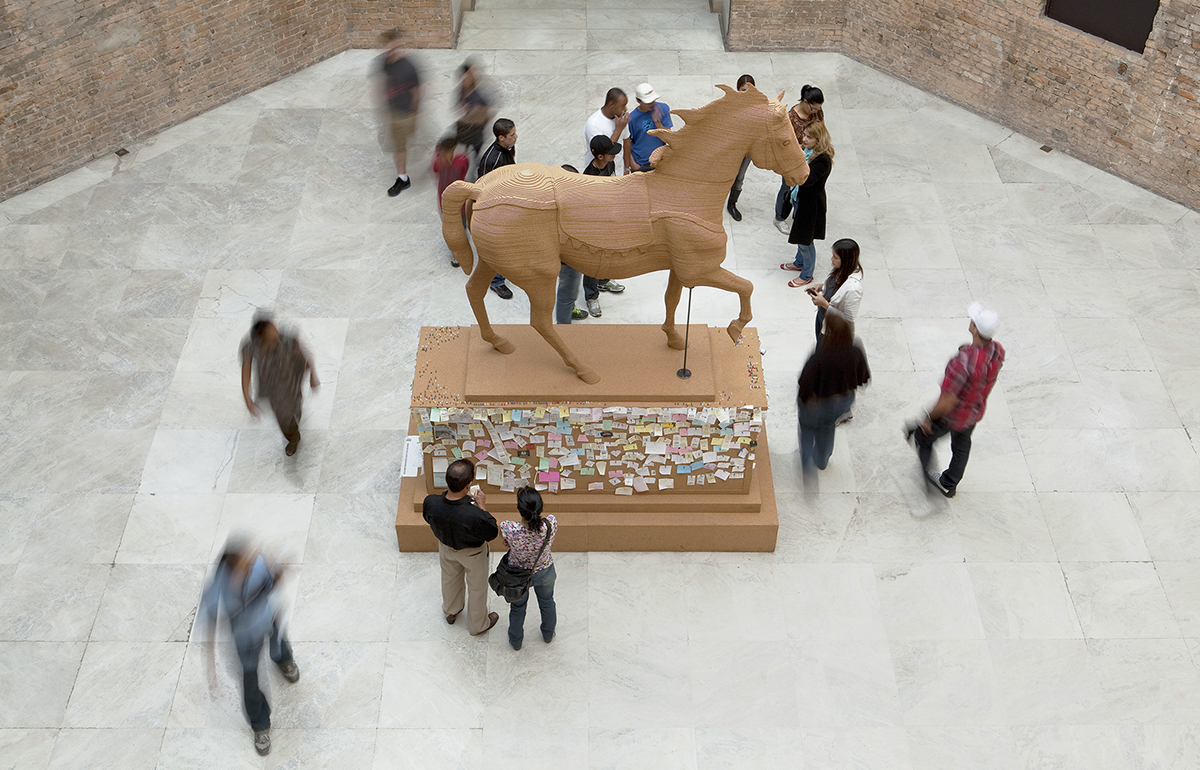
<point>457,372</point>
<point>611,523</point>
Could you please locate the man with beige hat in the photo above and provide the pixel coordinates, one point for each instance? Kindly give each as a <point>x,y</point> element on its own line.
<point>969,379</point>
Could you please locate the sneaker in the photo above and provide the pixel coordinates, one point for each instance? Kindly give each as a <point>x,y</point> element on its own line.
<point>290,671</point>
<point>578,314</point>
<point>262,742</point>
<point>502,290</point>
<point>454,262</point>
<point>938,484</point>
<point>782,226</point>
<point>611,286</point>
<point>847,417</point>
<point>400,186</point>
<point>594,307</point>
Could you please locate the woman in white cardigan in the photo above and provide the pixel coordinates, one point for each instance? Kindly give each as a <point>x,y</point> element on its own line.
<point>842,292</point>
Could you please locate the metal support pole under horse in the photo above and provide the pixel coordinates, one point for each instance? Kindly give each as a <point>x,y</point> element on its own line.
<point>684,373</point>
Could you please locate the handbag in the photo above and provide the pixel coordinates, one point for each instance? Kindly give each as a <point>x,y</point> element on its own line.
<point>512,583</point>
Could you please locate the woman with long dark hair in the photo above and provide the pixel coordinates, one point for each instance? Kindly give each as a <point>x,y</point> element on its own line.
<point>842,292</point>
<point>524,539</point>
<point>826,392</point>
<point>806,112</point>
<point>809,201</point>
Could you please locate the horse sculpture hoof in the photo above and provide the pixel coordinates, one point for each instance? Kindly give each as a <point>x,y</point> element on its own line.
<point>674,338</point>
<point>503,345</point>
<point>588,375</point>
<point>735,330</point>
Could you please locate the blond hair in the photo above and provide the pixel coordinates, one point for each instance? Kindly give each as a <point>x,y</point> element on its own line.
<point>820,134</point>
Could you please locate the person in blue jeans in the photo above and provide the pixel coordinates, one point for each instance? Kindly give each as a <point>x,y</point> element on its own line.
<point>809,204</point>
<point>244,586</point>
<point>826,391</point>
<point>524,539</point>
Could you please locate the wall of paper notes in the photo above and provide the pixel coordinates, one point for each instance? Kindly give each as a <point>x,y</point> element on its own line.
<point>589,450</point>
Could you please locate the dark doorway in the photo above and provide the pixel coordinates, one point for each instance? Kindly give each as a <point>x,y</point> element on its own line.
<point>1124,22</point>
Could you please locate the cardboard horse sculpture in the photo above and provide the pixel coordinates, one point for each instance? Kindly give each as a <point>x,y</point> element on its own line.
<point>529,217</point>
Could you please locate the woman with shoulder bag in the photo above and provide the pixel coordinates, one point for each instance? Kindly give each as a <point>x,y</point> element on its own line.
<point>524,540</point>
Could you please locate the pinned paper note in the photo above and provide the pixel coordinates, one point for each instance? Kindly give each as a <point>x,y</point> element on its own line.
<point>548,476</point>
<point>639,484</point>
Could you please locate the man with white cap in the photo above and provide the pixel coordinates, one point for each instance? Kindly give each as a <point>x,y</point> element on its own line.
<point>650,114</point>
<point>969,379</point>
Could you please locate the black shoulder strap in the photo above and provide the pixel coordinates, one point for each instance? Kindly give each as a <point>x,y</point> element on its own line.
<point>545,542</point>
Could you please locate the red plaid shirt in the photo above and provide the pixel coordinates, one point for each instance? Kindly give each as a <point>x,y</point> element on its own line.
<point>970,376</point>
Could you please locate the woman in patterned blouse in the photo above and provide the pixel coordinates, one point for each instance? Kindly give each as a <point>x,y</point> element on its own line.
<point>524,539</point>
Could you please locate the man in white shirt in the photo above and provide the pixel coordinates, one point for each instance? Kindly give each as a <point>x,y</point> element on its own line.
<point>610,120</point>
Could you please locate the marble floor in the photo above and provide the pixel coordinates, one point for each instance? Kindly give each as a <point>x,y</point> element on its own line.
<point>1047,617</point>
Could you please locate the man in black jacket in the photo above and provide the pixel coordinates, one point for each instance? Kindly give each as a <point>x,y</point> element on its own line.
<point>463,529</point>
<point>502,152</point>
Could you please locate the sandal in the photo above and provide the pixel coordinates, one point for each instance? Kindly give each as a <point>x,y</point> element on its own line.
<point>796,283</point>
<point>789,266</point>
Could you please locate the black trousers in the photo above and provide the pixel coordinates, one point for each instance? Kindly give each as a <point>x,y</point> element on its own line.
<point>258,711</point>
<point>960,450</point>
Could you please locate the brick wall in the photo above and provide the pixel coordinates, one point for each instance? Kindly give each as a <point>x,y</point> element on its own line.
<point>80,78</point>
<point>782,25</point>
<point>429,23</point>
<point>1132,114</point>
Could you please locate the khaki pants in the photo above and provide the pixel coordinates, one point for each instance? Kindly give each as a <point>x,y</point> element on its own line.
<point>473,564</point>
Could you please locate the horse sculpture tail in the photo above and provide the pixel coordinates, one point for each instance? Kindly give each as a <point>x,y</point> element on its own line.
<point>455,235</point>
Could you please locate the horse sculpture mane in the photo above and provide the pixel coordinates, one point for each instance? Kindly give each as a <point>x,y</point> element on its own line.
<point>528,219</point>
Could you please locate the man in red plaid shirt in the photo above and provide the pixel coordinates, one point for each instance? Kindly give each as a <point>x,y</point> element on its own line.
<point>970,377</point>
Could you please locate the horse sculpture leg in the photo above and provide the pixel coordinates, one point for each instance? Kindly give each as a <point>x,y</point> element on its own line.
<point>723,279</point>
<point>477,289</point>
<point>541,317</point>
<point>671,299</point>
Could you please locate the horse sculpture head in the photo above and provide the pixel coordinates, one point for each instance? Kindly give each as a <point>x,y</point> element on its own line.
<point>739,123</point>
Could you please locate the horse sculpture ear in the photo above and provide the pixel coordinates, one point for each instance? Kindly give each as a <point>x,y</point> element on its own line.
<point>780,97</point>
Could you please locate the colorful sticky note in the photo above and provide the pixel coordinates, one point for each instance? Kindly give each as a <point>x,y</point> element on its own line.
<point>548,477</point>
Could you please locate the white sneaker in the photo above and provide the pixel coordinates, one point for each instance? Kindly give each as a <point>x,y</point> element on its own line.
<point>594,307</point>
<point>782,226</point>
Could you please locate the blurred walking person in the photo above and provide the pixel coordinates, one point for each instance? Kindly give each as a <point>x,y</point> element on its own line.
<point>402,91</point>
<point>969,379</point>
<point>474,108</point>
<point>280,363</point>
<point>826,392</point>
<point>529,543</point>
<point>244,586</point>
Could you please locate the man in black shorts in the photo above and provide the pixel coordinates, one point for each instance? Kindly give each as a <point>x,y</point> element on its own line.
<point>402,89</point>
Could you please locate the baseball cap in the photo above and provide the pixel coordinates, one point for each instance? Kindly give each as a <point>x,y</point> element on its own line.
<point>603,145</point>
<point>986,321</point>
<point>646,93</point>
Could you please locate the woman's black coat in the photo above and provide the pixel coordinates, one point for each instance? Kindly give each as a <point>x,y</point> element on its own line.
<point>811,207</point>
